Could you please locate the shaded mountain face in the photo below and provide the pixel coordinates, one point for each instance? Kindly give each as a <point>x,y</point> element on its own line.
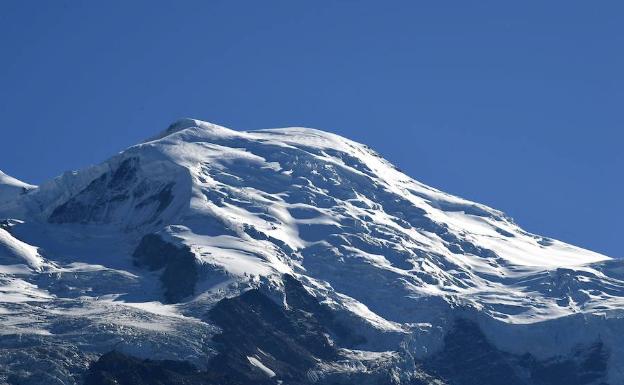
<point>292,256</point>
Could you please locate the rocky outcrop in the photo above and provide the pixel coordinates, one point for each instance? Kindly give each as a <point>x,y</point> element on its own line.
<point>179,268</point>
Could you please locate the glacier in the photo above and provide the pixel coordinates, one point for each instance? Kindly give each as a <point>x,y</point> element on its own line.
<point>180,248</point>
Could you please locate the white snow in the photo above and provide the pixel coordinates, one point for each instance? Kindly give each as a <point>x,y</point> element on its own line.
<point>16,251</point>
<point>387,252</point>
<point>11,188</point>
<point>256,362</point>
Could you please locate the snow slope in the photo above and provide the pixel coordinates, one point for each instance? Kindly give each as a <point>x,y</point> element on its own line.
<point>394,258</point>
<point>11,188</point>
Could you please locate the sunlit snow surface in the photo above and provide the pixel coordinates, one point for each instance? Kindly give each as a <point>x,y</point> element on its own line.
<point>393,256</point>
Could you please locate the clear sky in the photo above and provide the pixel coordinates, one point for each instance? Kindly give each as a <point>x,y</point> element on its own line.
<point>518,105</point>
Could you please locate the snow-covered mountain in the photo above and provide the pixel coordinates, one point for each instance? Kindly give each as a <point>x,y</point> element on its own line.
<point>288,256</point>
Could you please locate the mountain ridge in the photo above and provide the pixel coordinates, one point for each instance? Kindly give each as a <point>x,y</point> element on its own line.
<point>140,247</point>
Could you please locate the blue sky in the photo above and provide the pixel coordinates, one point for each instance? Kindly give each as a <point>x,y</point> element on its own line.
<point>518,105</point>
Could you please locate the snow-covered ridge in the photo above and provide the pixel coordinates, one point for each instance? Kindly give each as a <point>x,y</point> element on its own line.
<point>11,188</point>
<point>394,258</point>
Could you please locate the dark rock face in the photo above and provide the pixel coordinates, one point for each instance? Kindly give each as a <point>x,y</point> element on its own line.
<point>180,272</point>
<point>90,204</point>
<point>468,358</point>
<point>289,341</point>
<point>298,298</point>
<point>5,224</point>
<point>115,368</point>
<point>120,189</point>
<point>161,200</point>
<point>586,366</point>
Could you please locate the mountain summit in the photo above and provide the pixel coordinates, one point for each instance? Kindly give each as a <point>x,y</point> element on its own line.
<point>206,255</point>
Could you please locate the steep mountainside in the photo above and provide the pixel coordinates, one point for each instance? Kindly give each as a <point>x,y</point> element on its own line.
<point>288,256</point>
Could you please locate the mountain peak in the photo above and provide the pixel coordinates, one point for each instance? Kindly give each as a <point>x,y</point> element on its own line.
<point>181,124</point>
<point>200,126</point>
<point>203,213</point>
